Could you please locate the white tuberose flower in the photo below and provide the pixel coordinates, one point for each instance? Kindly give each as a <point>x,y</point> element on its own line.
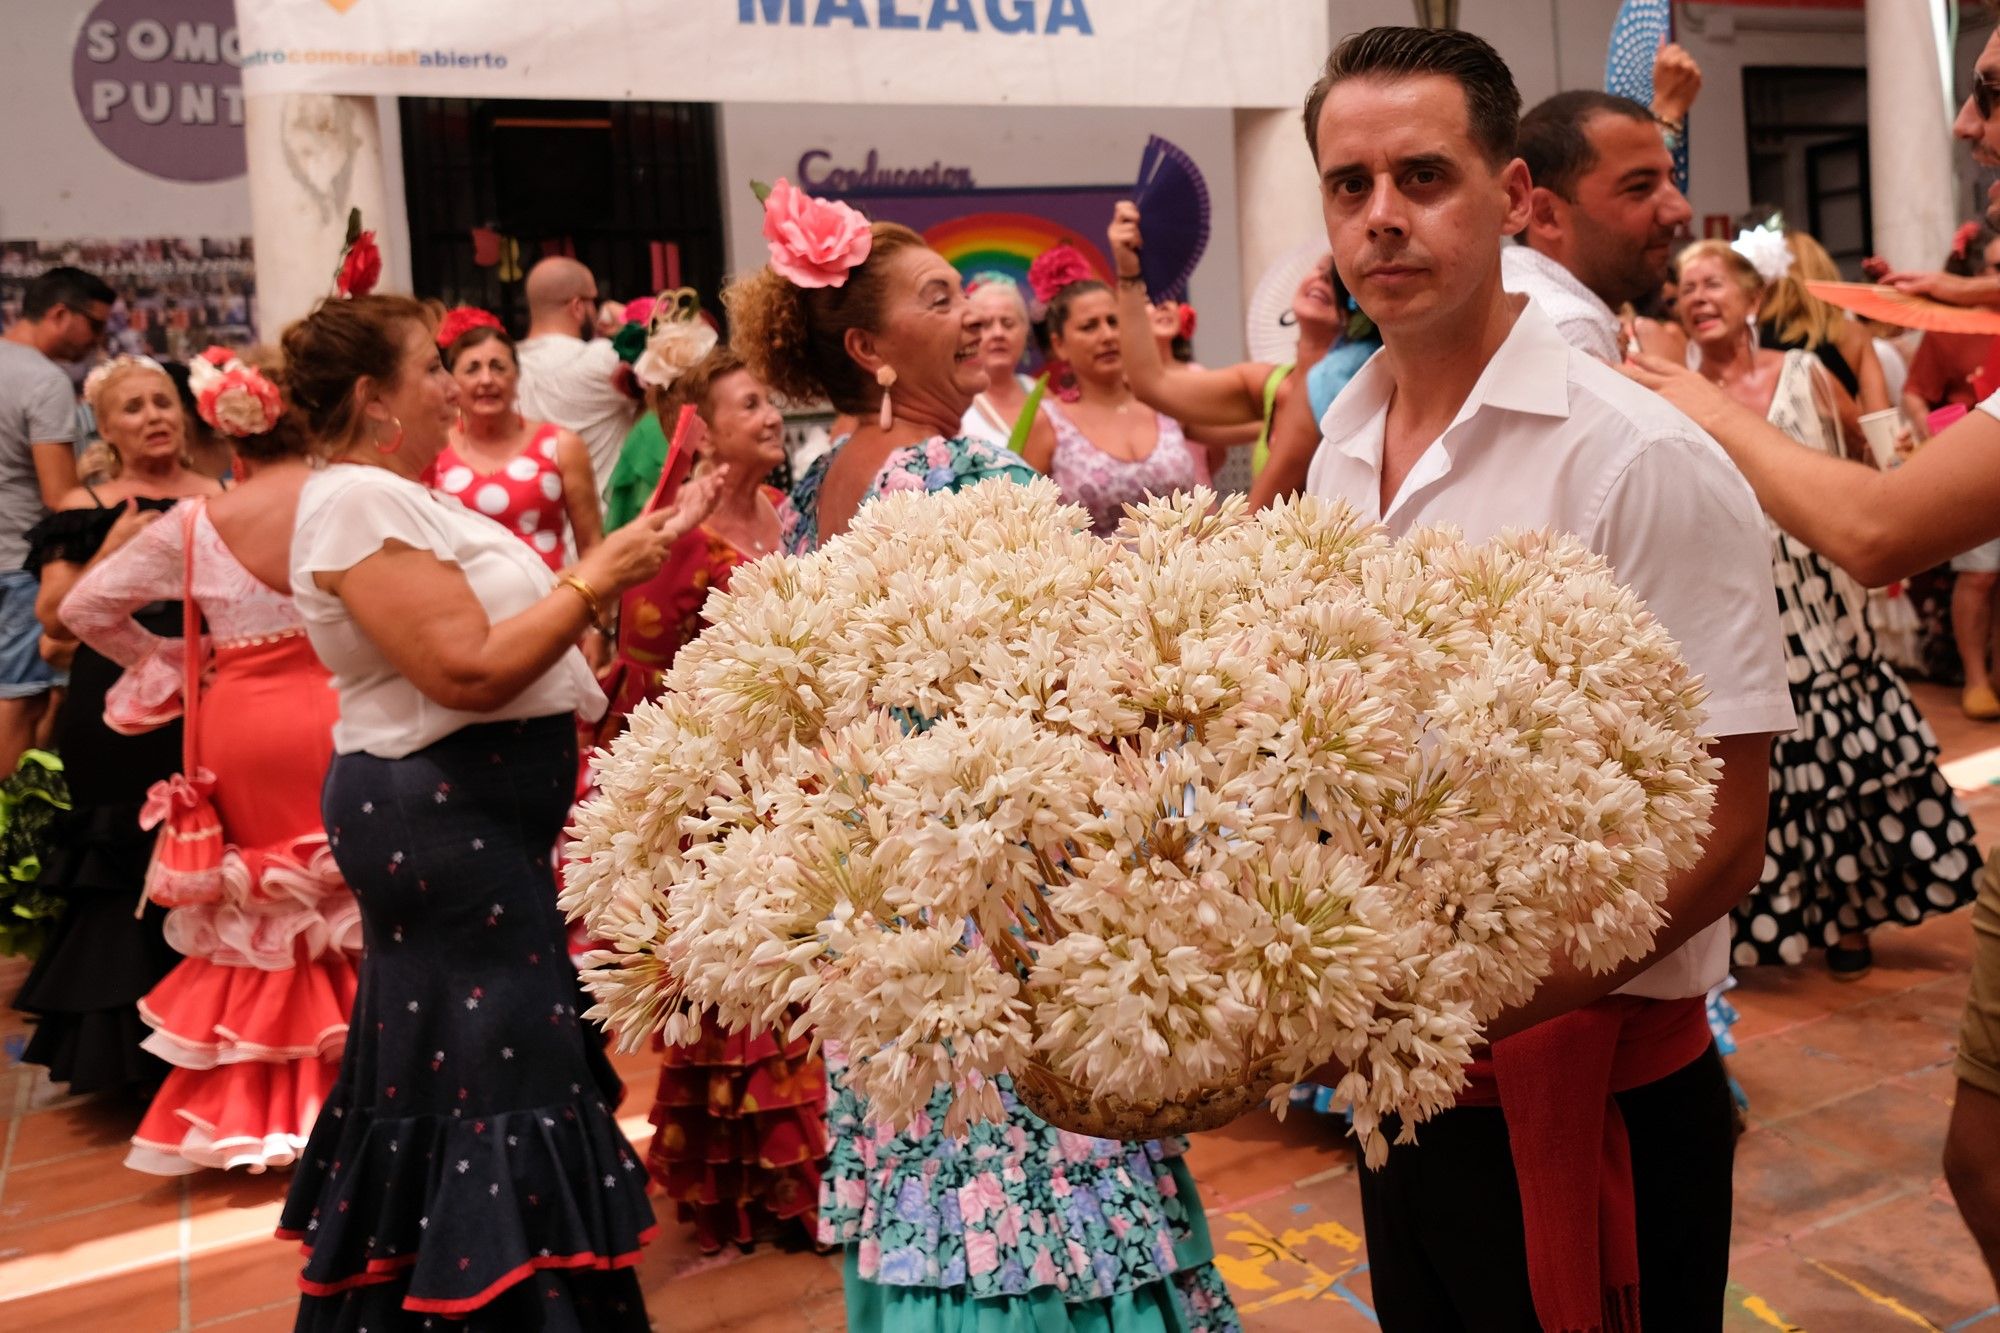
<point>1221,801</point>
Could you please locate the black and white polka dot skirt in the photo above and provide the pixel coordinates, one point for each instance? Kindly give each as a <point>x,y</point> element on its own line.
<point>1863,828</point>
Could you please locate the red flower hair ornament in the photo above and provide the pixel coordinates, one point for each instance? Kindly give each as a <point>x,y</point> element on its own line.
<point>1056,268</point>
<point>462,320</point>
<point>360,260</point>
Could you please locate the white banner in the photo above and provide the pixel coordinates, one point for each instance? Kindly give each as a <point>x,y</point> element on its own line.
<point>1177,53</point>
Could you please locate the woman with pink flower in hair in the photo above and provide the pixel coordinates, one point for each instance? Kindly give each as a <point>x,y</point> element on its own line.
<point>253,1019</point>
<point>1104,447</point>
<point>1016,1225</point>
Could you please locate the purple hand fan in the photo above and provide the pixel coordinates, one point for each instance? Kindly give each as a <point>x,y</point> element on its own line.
<point>1173,217</point>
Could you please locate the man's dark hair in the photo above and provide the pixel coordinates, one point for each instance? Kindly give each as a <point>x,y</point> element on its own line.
<point>70,288</point>
<point>1554,140</point>
<point>1492,103</point>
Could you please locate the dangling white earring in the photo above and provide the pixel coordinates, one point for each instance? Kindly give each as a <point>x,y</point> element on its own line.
<point>886,377</point>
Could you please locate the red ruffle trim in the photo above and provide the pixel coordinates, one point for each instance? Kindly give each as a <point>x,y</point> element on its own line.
<point>741,1131</point>
<point>379,1271</point>
<point>251,1116</point>
<point>205,1015</point>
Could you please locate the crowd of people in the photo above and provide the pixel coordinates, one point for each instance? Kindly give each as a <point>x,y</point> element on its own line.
<point>322,635</point>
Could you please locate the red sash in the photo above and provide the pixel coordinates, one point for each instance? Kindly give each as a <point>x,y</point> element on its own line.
<point>1554,1084</point>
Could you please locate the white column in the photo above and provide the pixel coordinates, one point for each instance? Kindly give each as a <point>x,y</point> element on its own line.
<point>1911,182</point>
<point>1277,191</point>
<point>311,157</point>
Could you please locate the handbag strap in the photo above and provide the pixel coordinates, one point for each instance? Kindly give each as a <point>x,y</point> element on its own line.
<point>1017,439</point>
<point>1260,454</point>
<point>190,638</point>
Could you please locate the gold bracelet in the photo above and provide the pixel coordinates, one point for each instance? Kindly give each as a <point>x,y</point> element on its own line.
<point>593,607</point>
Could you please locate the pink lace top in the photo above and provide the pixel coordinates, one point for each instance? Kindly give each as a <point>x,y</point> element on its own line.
<point>1105,485</point>
<point>239,607</point>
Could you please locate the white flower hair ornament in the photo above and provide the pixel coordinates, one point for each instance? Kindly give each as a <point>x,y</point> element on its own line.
<point>1766,248</point>
<point>233,398</point>
<point>677,338</point>
<point>105,371</point>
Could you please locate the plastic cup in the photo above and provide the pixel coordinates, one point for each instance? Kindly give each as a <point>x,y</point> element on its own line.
<point>1880,428</point>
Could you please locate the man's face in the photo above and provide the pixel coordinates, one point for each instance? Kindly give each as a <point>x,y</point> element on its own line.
<point>1414,210</point>
<point>1978,120</point>
<point>77,332</point>
<point>583,307</point>
<point>1618,233</point>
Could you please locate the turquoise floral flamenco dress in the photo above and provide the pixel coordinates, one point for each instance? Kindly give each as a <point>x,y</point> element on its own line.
<point>1018,1227</point>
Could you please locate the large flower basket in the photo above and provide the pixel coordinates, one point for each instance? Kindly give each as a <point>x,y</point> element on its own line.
<point>1151,827</point>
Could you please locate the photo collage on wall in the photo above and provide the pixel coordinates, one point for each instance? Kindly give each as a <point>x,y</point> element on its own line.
<point>176,295</point>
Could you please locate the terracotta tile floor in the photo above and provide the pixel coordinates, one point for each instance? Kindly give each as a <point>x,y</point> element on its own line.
<point>1842,1222</point>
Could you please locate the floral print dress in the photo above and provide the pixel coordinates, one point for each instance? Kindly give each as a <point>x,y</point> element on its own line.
<point>1018,1224</point>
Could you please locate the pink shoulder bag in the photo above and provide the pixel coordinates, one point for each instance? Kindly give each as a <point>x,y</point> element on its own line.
<point>187,860</point>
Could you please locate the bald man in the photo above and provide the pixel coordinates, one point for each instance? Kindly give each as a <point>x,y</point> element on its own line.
<point>565,379</point>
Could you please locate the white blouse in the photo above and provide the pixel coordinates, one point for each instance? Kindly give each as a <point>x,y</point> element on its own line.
<point>346,514</point>
<point>980,423</point>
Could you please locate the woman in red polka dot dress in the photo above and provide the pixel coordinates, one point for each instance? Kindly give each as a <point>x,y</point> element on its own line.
<point>532,477</point>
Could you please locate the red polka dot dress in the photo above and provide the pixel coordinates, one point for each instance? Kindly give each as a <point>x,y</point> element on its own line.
<point>526,495</point>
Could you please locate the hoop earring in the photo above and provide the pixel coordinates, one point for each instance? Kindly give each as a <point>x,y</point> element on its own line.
<point>886,377</point>
<point>395,443</point>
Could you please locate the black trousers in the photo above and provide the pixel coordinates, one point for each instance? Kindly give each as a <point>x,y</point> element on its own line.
<point>1443,1216</point>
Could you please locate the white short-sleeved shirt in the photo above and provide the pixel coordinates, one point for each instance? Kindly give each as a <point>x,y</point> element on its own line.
<point>346,514</point>
<point>575,384</point>
<point>1551,438</point>
<point>1579,314</point>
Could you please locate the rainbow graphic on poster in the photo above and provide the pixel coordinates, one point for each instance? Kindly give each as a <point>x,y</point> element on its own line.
<point>1007,243</point>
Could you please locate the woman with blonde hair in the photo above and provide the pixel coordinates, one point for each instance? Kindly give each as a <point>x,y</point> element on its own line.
<point>86,985</point>
<point>1863,829</point>
<point>1791,317</point>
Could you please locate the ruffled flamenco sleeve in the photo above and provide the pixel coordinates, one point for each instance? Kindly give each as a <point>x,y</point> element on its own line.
<point>99,611</point>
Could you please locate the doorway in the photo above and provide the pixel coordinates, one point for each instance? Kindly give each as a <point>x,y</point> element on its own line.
<point>631,189</point>
<point>1807,131</point>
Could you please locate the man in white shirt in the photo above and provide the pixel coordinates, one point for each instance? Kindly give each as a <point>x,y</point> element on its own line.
<point>565,379</point>
<point>1598,1187</point>
<point>1603,215</point>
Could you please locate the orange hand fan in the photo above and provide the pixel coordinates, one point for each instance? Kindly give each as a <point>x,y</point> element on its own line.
<point>1871,301</point>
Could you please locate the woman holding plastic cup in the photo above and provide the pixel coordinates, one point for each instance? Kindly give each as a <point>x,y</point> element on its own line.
<point>1863,827</point>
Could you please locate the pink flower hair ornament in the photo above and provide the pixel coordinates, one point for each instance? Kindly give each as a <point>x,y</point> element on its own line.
<point>235,399</point>
<point>813,242</point>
